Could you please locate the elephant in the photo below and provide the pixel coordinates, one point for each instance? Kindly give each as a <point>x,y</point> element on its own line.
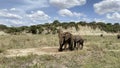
<point>78,40</point>
<point>118,36</point>
<point>64,39</point>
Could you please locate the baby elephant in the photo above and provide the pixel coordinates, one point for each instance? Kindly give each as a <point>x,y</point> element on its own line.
<point>78,40</point>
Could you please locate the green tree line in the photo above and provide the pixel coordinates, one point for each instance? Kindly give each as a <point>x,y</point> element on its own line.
<point>52,27</point>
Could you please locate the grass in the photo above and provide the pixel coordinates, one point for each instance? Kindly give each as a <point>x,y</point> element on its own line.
<point>95,53</point>
<point>1,50</point>
<point>27,41</point>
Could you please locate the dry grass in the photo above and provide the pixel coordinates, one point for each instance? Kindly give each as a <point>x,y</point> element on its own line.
<point>98,52</point>
<point>27,41</point>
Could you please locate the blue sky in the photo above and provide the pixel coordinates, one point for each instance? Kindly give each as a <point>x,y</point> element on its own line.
<point>30,12</point>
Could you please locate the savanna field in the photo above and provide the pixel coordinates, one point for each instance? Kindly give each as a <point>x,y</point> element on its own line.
<point>40,33</point>
<point>98,52</point>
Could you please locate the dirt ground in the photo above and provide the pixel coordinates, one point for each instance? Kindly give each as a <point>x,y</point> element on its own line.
<point>29,51</point>
<point>37,51</point>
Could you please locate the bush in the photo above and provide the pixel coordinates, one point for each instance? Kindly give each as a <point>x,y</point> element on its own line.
<point>1,50</point>
<point>33,29</point>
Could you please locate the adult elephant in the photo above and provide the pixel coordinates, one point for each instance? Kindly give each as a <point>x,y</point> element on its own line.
<point>64,39</point>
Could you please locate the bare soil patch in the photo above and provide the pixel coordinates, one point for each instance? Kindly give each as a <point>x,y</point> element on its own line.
<point>37,51</point>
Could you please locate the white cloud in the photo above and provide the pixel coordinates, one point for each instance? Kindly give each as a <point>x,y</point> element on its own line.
<point>15,21</point>
<point>78,14</point>
<point>86,19</point>
<point>13,9</point>
<point>99,20</point>
<point>4,10</point>
<point>39,15</point>
<point>66,12</point>
<point>114,16</point>
<point>10,22</point>
<point>17,17</point>
<point>67,3</point>
<point>6,14</point>
<point>107,6</point>
<point>33,4</point>
<point>56,18</point>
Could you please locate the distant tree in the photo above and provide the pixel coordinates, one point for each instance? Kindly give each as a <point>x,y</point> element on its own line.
<point>54,30</point>
<point>23,27</point>
<point>64,25</point>
<point>13,30</point>
<point>71,24</point>
<point>47,27</point>
<point>76,27</point>
<point>116,27</point>
<point>109,24</point>
<point>3,27</point>
<point>56,23</point>
<point>92,25</point>
<point>40,29</point>
<point>52,27</point>
<point>33,29</point>
<point>116,24</point>
<point>82,23</point>
<point>109,27</point>
<point>101,25</point>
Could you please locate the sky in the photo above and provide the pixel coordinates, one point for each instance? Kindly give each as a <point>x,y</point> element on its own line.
<point>32,12</point>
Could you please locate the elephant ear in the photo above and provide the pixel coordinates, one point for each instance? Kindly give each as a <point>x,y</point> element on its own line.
<point>67,36</point>
<point>60,33</point>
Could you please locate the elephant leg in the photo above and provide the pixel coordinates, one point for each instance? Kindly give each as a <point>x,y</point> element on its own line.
<point>74,44</point>
<point>61,46</point>
<point>78,45</point>
<point>81,46</point>
<point>71,46</point>
<point>61,43</point>
<point>65,46</point>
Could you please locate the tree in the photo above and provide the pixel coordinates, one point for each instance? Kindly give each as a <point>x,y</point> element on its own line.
<point>33,29</point>
<point>76,27</point>
<point>83,23</point>
<point>71,24</point>
<point>56,23</point>
<point>116,27</point>
<point>64,25</point>
<point>3,27</point>
<point>40,29</point>
<point>12,30</point>
<point>92,25</point>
